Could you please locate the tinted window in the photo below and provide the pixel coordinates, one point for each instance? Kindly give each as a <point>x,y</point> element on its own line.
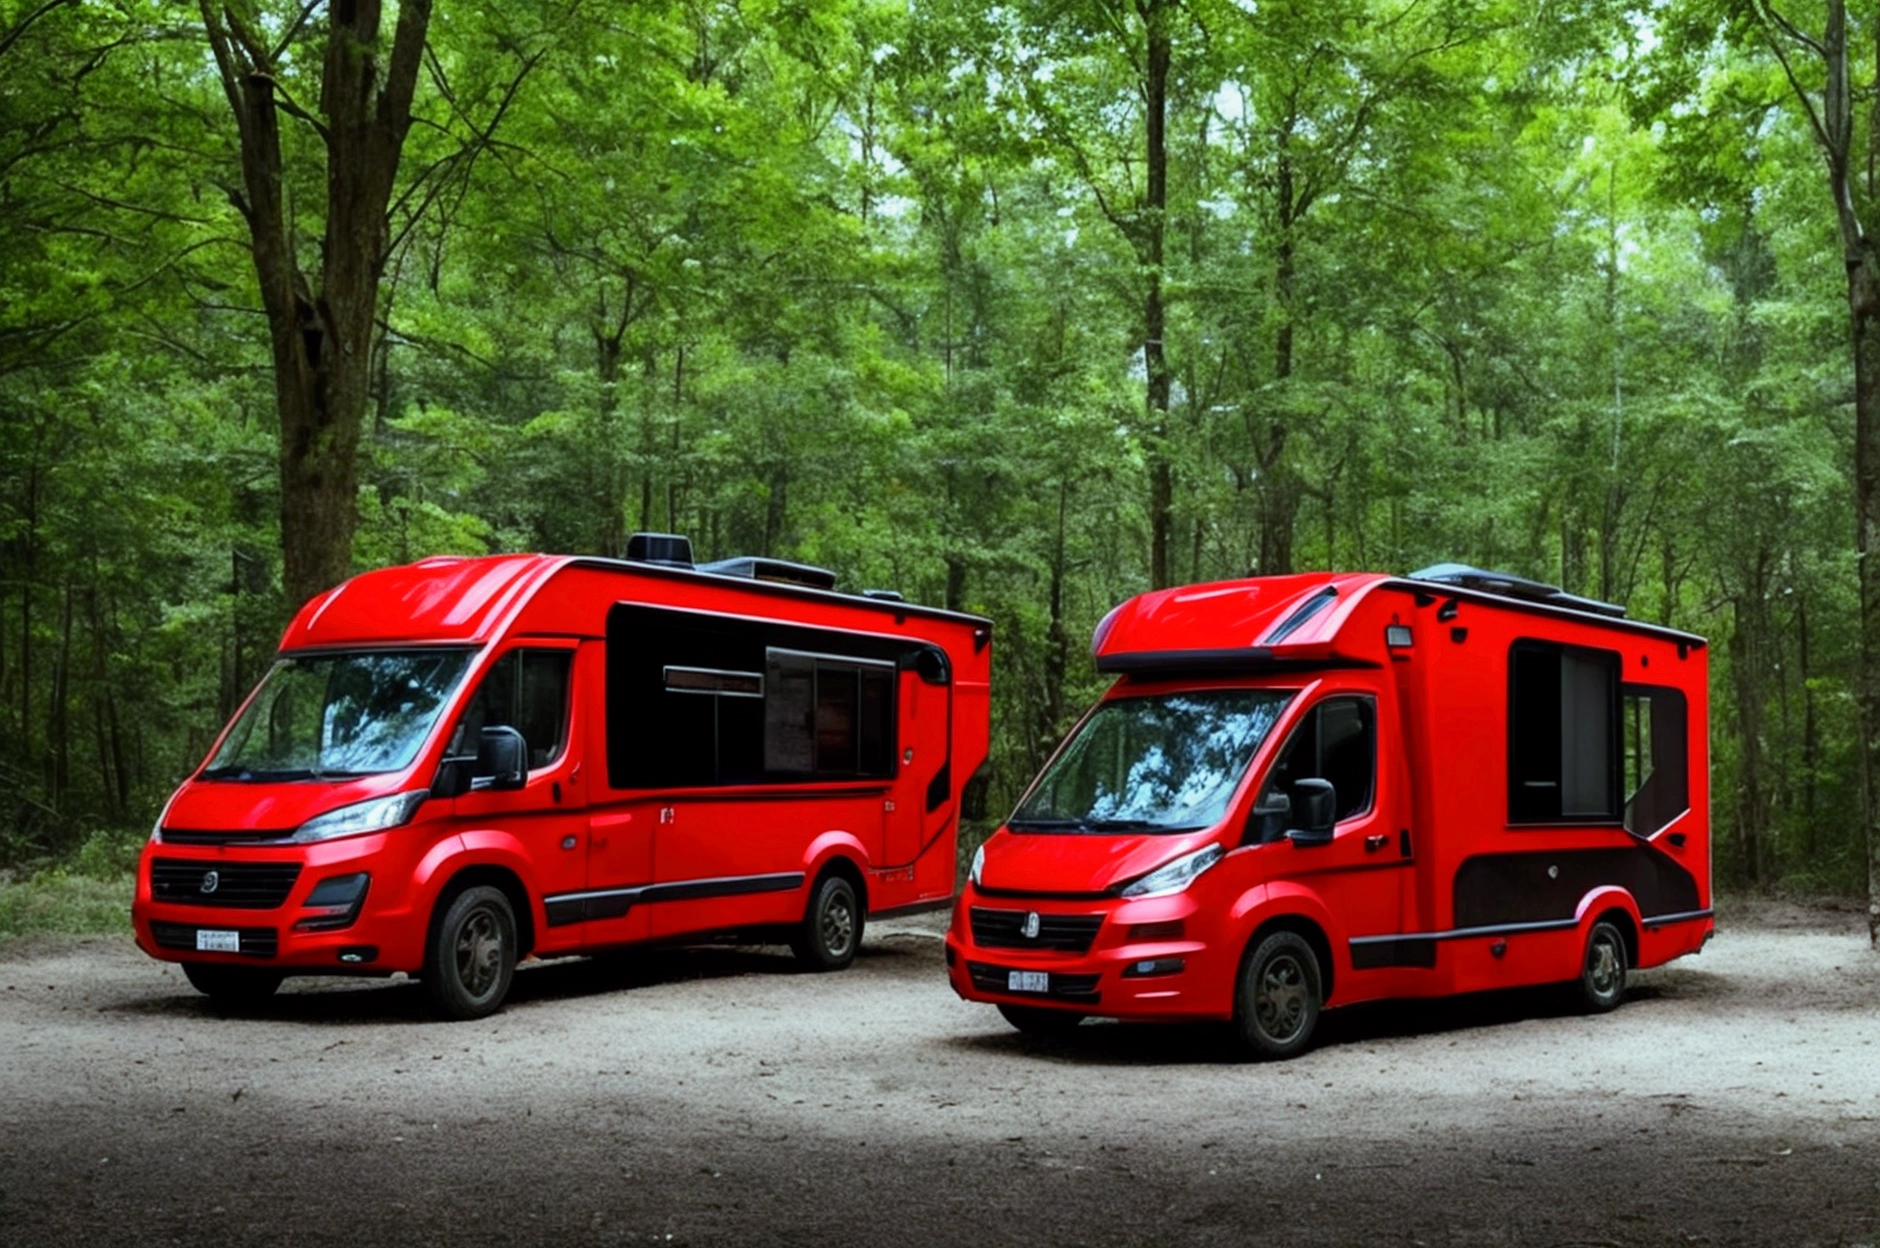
<point>526,690</point>
<point>1563,734</point>
<point>1655,757</point>
<point>1336,742</point>
<point>1156,764</point>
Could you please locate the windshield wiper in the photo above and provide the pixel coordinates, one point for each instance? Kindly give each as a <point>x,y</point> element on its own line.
<point>1043,824</point>
<point>248,775</point>
<point>1098,825</point>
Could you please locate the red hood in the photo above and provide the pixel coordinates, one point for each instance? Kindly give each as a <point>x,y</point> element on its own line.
<point>232,806</point>
<point>1079,862</point>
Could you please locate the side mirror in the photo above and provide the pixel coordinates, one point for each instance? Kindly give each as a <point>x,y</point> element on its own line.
<point>1268,819</point>
<point>453,777</point>
<point>1317,806</point>
<point>503,756</point>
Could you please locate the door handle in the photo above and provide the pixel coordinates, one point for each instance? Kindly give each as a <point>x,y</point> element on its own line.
<point>1375,842</point>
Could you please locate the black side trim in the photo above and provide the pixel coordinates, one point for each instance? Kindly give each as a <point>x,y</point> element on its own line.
<point>1547,885</point>
<point>1245,659</point>
<point>1666,920</point>
<point>611,903</point>
<point>1370,953</point>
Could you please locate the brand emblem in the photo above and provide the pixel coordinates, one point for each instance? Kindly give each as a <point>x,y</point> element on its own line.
<point>1030,929</point>
<point>211,881</point>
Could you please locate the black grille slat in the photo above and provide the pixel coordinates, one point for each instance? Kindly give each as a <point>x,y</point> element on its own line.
<point>1080,989</point>
<point>187,836</point>
<point>256,942</point>
<point>239,885</point>
<point>1062,933</point>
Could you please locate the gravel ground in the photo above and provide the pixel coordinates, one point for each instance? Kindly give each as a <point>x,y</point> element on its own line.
<point>716,1096</point>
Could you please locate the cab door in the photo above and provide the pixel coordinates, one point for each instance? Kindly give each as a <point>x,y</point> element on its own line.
<point>920,803</point>
<point>1359,873</point>
<point>529,688</point>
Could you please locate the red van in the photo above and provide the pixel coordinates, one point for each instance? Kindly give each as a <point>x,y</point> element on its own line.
<point>462,762</point>
<point>1310,791</point>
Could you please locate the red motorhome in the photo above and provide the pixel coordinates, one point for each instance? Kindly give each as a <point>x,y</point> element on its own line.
<point>462,762</point>
<point>1315,790</point>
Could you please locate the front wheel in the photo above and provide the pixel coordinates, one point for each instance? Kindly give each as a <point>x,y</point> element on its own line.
<point>832,926</point>
<point>232,985</point>
<point>1276,1005</point>
<point>1602,971</point>
<point>472,957</point>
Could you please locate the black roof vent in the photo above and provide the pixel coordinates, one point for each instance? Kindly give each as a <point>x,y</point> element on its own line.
<point>885,595</point>
<point>665,550</point>
<point>782,570</point>
<point>1509,586</point>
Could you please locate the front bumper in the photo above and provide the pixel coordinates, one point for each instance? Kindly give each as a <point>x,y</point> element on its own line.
<point>1151,958</point>
<point>261,894</point>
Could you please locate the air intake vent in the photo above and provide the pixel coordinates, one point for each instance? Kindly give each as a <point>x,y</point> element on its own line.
<point>781,570</point>
<point>665,550</point>
<point>1514,587</point>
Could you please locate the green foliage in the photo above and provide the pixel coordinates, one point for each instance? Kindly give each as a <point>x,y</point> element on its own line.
<point>862,284</point>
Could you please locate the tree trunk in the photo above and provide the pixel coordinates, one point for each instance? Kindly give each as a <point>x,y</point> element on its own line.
<point>1155,359</point>
<point>322,329</point>
<point>1864,306</point>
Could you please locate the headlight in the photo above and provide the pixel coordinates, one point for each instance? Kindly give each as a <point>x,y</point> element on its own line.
<point>979,864</point>
<point>374,816</point>
<point>1175,876</point>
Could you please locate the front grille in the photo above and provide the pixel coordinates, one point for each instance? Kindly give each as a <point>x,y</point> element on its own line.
<point>238,885</point>
<point>257,942</point>
<point>1081,989</point>
<point>1005,929</point>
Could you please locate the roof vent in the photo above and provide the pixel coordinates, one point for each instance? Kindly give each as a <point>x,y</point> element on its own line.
<point>665,550</point>
<point>1520,587</point>
<point>779,570</point>
<point>885,595</point>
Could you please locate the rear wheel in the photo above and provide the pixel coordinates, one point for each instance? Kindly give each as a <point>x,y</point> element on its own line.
<point>473,954</point>
<point>232,985</point>
<point>832,926</point>
<point>1035,1020</point>
<point>1602,971</point>
<point>1276,1005</point>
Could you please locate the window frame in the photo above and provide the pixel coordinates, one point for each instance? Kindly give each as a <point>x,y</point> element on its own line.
<point>1615,742</point>
<point>1680,734</point>
<point>474,690</point>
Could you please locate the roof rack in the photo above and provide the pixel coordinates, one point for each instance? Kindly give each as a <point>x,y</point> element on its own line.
<point>1508,586</point>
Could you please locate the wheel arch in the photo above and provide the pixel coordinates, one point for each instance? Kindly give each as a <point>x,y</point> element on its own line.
<point>494,875</point>
<point>1616,906</point>
<point>1306,929</point>
<point>838,853</point>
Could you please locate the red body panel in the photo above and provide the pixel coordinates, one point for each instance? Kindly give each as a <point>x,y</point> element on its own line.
<point>671,863</point>
<point>1409,880</point>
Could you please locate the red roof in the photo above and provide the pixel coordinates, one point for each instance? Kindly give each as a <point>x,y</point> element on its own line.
<point>1287,616</point>
<point>446,599</point>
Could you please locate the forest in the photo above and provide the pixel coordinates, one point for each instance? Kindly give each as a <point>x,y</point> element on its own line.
<point>1016,308</point>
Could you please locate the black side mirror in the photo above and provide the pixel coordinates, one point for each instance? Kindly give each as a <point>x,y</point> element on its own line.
<point>1317,806</point>
<point>503,756</point>
<point>1268,819</point>
<point>453,777</point>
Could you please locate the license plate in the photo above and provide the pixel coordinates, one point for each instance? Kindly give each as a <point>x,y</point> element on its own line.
<point>1028,981</point>
<point>208,941</point>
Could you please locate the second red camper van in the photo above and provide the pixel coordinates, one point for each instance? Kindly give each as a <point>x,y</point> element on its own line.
<point>1315,790</point>
<point>461,762</point>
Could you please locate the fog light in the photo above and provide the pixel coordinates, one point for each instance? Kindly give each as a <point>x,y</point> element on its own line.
<point>353,954</point>
<point>1149,967</point>
<point>334,903</point>
<point>1172,929</point>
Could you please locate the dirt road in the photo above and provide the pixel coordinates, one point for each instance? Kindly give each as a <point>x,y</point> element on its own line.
<point>717,1097</point>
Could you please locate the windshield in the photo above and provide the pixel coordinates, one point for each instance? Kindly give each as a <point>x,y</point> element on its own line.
<point>329,716</point>
<point>1155,764</point>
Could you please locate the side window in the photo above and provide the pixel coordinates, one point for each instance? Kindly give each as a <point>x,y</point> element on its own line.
<point>528,691</point>
<point>828,716</point>
<point>1336,741</point>
<point>1563,734</point>
<point>1655,757</point>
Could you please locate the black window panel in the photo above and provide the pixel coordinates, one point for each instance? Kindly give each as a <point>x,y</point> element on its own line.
<point>526,690</point>
<point>683,708</point>
<point>1656,757</point>
<point>1336,741</point>
<point>1563,734</point>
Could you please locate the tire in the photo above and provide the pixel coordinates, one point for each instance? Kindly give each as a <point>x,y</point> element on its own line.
<point>232,985</point>
<point>832,926</point>
<point>1276,1003</point>
<point>472,957</point>
<point>1602,970</point>
<point>1035,1020</point>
